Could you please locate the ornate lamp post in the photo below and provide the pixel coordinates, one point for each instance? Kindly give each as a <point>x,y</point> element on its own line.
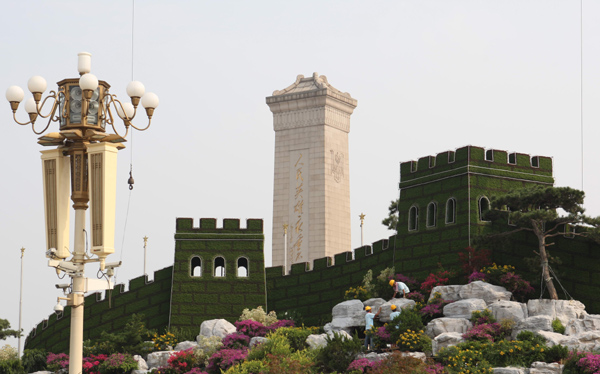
<point>84,164</point>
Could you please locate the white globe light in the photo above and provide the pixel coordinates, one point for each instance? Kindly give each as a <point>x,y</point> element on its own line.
<point>129,110</point>
<point>37,84</point>
<point>30,106</point>
<point>15,93</point>
<point>150,100</point>
<point>135,89</point>
<point>88,82</point>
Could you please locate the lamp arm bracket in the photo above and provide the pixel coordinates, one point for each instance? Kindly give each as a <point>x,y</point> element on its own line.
<point>54,96</point>
<point>44,130</point>
<point>17,121</point>
<point>145,128</point>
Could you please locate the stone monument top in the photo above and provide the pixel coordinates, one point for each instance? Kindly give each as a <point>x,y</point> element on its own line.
<point>313,83</point>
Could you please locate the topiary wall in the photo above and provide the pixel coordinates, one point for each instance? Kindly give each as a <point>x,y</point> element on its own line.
<point>205,293</point>
<point>109,313</point>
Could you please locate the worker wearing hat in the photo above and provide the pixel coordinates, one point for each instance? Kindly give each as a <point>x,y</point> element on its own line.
<point>395,312</point>
<point>399,287</point>
<point>369,316</point>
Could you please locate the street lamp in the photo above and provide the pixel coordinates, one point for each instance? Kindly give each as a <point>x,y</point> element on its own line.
<point>83,163</point>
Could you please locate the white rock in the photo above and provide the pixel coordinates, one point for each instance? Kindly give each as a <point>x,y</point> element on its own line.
<point>446,339</point>
<point>509,310</point>
<point>441,325</point>
<point>482,290</point>
<point>552,338</point>
<point>216,327</point>
<point>328,327</point>
<point>257,340</point>
<point>463,308</point>
<point>400,304</point>
<point>373,356</point>
<point>374,303</point>
<point>418,355</point>
<point>446,292</point>
<point>158,359</point>
<point>347,314</point>
<point>142,365</point>
<point>182,346</point>
<point>139,371</point>
<point>320,340</point>
<point>587,323</point>
<point>534,324</point>
<point>510,370</point>
<point>545,368</point>
<point>585,341</point>
<point>564,310</point>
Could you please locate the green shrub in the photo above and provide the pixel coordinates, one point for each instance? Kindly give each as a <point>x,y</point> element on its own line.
<point>398,364</point>
<point>34,360</point>
<point>531,337</point>
<point>557,353</point>
<point>296,336</point>
<point>133,338</point>
<point>247,367</point>
<point>11,366</point>
<point>414,341</point>
<point>409,319</point>
<point>458,360</point>
<point>338,353</point>
<point>479,317</point>
<point>277,344</point>
<point>557,326</point>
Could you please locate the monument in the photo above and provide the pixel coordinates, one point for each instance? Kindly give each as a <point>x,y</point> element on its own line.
<point>311,194</point>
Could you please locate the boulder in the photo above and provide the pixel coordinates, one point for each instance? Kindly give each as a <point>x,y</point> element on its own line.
<point>257,340</point>
<point>446,339</point>
<point>552,338</point>
<point>564,310</point>
<point>320,340</point>
<point>347,314</point>
<point>374,303</point>
<point>418,355</point>
<point>585,341</point>
<point>446,292</point>
<point>534,324</point>
<point>442,325</point>
<point>182,346</point>
<point>545,368</point>
<point>510,370</point>
<point>373,356</point>
<point>587,323</point>
<point>142,365</point>
<point>132,372</point>
<point>463,308</point>
<point>482,290</point>
<point>217,327</point>
<point>158,359</point>
<point>384,316</point>
<point>509,310</point>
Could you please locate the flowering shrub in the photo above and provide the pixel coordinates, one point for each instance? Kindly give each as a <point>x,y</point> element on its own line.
<point>281,323</point>
<point>259,315</point>
<point>589,363</point>
<point>8,352</point>
<point>361,365</point>
<point>359,293</point>
<point>236,341</point>
<point>182,361</point>
<point>164,341</point>
<point>55,362</point>
<point>435,308</point>
<point>476,276</point>
<point>225,358</point>
<point>381,336</point>
<point>459,360</point>
<point>206,348</point>
<point>479,317</point>
<point>91,364</point>
<point>196,371</point>
<point>485,331</point>
<point>414,341</point>
<point>519,287</point>
<point>251,328</point>
<point>118,363</point>
<point>438,279</point>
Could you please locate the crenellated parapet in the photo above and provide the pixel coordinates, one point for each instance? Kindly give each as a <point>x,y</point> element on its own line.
<point>477,160</point>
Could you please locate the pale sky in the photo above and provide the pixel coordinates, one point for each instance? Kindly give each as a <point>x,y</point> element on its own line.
<point>428,76</point>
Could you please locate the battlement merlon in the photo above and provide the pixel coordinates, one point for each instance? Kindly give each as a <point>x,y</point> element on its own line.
<point>209,226</point>
<point>477,159</point>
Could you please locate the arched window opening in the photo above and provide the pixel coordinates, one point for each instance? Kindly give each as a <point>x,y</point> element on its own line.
<point>413,218</point>
<point>451,211</point>
<point>431,214</point>
<point>219,267</point>
<point>484,207</point>
<point>196,267</point>
<point>242,267</point>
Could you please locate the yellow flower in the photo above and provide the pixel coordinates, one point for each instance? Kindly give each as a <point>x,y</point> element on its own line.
<point>511,350</point>
<point>501,353</point>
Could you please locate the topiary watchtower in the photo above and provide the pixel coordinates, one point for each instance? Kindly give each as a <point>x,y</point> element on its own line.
<point>217,272</point>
